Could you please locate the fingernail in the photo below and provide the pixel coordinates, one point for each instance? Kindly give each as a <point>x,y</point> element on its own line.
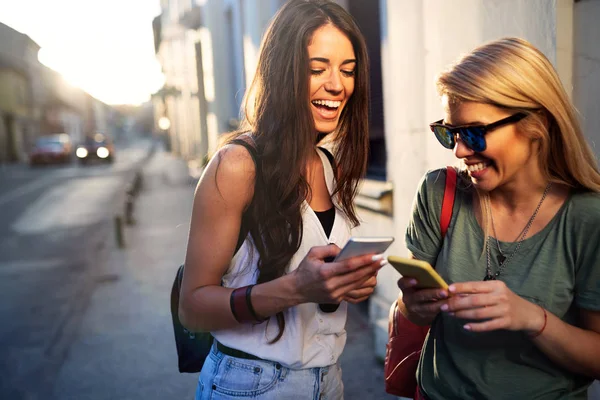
<point>444,307</point>
<point>377,257</point>
<point>383,262</point>
<point>450,314</point>
<point>467,327</point>
<point>443,295</point>
<point>413,282</point>
<point>452,288</point>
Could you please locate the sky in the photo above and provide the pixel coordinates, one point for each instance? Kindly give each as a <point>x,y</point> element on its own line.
<point>105,47</point>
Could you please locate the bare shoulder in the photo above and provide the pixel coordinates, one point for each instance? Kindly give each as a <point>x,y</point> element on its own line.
<point>235,162</point>
<point>229,176</point>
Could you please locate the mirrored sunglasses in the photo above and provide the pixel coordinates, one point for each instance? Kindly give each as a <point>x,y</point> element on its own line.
<point>473,136</point>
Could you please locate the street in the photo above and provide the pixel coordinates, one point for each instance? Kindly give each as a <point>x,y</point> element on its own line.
<point>53,226</point>
<point>89,320</point>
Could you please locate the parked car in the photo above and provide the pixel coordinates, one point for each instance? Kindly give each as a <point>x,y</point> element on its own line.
<point>51,149</point>
<point>98,147</point>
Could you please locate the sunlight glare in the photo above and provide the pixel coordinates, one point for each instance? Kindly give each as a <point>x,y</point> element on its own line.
<point>105,48</point>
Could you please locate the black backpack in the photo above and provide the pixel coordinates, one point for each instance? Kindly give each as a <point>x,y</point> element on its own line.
<point>194,347</point>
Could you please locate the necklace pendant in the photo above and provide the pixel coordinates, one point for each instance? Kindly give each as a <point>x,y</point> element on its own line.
<point>489,277</point>
<point>501,258</point>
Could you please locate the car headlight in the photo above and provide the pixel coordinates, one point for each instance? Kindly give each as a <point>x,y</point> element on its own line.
<point>81,152</point>
<point>102,152</point>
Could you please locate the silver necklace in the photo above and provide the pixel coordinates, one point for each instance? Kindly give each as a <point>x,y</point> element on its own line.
<point>502,259</point>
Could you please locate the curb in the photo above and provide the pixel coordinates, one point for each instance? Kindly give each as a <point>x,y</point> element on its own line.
<point>125,209</point>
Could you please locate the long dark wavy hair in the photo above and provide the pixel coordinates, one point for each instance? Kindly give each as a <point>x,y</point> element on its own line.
<point>277,113</point>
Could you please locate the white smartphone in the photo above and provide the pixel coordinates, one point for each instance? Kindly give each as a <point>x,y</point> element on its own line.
<point>358,246</point>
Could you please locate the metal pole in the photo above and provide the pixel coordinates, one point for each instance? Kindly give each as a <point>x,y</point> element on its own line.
<point>119,236</point>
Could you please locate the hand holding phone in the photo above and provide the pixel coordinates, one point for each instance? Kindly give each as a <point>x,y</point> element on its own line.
<point>424,273</point>
<point>357,246</point>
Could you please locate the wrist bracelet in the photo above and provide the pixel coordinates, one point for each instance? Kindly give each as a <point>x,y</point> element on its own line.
<point>255,316</point>
<point>241,305</point>
<point>538,333</point>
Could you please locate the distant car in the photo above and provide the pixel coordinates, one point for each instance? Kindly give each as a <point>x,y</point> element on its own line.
<point>51,149</point>
<point>97,147</point>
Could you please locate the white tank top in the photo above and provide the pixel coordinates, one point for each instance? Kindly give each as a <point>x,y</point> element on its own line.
<point>311,338</point>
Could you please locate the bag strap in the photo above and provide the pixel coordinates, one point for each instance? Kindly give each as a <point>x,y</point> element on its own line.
<point>244,228</point>
<point>329,157</point>
<point>448,201</point>
<point>445,217</point>
<point>394,319</point>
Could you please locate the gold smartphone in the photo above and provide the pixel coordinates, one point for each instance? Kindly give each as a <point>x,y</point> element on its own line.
<point>420,270</point>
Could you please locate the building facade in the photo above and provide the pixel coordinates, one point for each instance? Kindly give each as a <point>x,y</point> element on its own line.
<point>178,100</point>
<point>208,50</point>
<point>36,101</point>
<point>18,120</point>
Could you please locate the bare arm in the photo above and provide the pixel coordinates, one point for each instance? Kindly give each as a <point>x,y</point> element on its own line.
<point>493,306</point>
<point>223,192</point>
<point>222,195</point>
<point>577,349</point>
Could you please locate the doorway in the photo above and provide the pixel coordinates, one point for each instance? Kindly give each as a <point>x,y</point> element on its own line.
<point>367,16</point>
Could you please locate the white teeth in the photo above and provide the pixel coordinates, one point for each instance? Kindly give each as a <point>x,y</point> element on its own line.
<point>477,167</point>
<point>328,103</point>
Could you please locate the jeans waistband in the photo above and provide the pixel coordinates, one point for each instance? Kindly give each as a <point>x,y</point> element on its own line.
<point>235,353</point>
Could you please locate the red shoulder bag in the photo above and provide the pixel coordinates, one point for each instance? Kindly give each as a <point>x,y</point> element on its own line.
<point>406,339</point>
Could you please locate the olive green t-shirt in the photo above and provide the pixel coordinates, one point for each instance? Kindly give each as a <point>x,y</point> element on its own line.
<point>557,268</point>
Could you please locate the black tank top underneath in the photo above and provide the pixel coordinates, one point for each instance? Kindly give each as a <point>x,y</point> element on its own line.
<point>326,218</point>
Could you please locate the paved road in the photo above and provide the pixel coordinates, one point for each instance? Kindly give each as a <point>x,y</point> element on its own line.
<point>53,226</point>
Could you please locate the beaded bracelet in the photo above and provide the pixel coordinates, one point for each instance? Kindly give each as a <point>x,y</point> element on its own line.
<point>241,305</point>
<point>538,333</point>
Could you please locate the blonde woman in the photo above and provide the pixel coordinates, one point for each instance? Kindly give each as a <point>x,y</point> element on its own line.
<point>521,318</point>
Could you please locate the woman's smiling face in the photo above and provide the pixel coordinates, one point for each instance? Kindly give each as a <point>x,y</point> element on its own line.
<point>509,157</point>
<point>332,71</point>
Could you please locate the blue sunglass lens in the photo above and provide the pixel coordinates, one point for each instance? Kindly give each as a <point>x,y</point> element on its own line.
<point>474,138</point>
<point>444,136</point>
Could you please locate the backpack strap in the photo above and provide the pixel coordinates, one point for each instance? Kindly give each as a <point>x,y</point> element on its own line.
<point>448,201</point>
<point>245,228</point>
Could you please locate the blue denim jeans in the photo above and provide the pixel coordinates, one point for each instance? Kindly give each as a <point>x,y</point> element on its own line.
<point>226,377</point>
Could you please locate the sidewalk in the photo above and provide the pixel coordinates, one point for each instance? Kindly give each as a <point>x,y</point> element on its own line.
<point>125,348</point>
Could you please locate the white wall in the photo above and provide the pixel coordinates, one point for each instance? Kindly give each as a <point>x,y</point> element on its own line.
<point>177,57</point>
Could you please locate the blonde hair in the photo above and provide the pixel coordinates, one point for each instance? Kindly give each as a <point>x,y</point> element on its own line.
<point>511,73</point>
